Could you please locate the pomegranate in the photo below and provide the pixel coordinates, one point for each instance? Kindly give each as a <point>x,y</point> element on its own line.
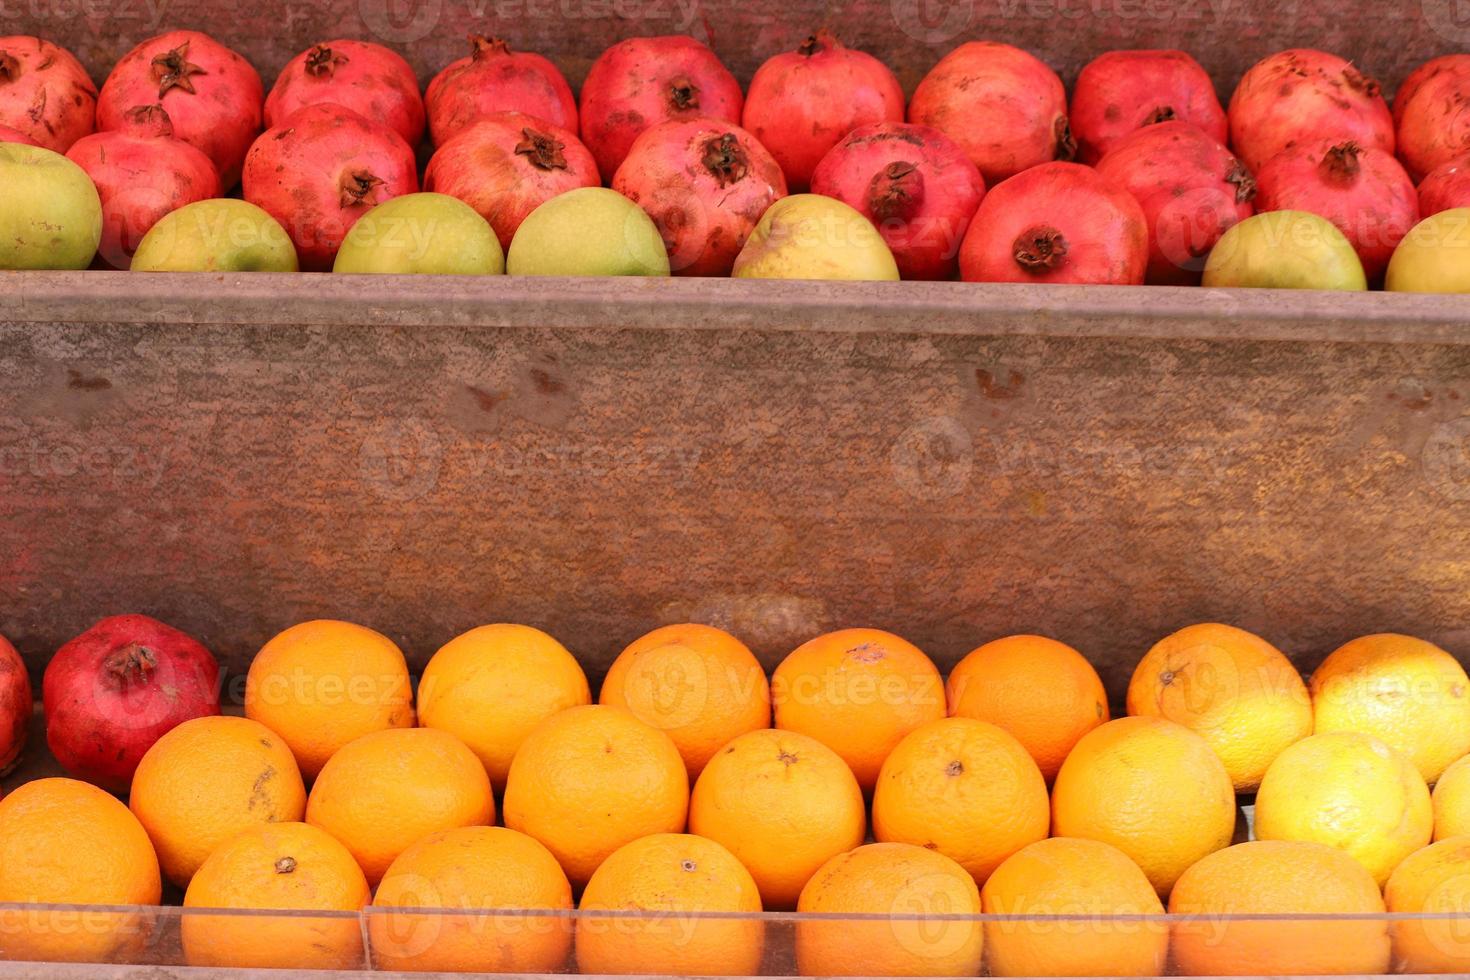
<point>1362,190</point>
<point>1191,189</point>
<point>142,173</point>
<point>1422,74</point>
<point>506,165</point>
<point>45,93</point>
<point>15,706</point>
<point>705,183</point>
<point>1447,187</point>
<point>113,691</point>
<point>1057,222</point>
<point>912,182</point>
<point>643,81</point>
<point>1301,96</point>
<point>8,135</point>
<point>211,94</point>
<point>802,102</point>
<point>491,79</point>
<point>364,77</point>
<point>1434,118</point>
<point>1005,107</point>
<point>1121,91</point>
<point>320,170</point>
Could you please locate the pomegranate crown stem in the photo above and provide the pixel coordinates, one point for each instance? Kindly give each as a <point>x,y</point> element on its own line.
<point>322,61</point>
<point>542,150</point>
<point>816,43</point>
<point>130,664</point>
<point>896,191</point>
<point>725,158</point>
<point>1342,162</point>
<point>480,46</point>
<point>173,69</point>
<point>683,94</point>
<point>9,67</point>
<point>360,187</point>
<point>1040,248</point>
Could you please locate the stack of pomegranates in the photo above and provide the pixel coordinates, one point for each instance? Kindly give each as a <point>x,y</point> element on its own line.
<point>987,174</point>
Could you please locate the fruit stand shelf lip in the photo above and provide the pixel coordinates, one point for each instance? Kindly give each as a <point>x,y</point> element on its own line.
<point>906,308</point>
<point>109,971</point>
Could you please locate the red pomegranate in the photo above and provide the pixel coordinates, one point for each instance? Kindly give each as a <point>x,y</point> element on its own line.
<point>915,184</point>
<point>1057,223</point>
<point>367,78</point>
<point>1005,107</point>
<point>1191,189</point>
<point>8,135</point>
<point>1302,96</point>
<point>113,691</point>
<point>508,164</point>
<point>1458,63</point>
<point>1434,117</point>
<point>491,79</point>
<point>1445,188</point>
<point>801,102</point>
<point>1121,91</point>
<point>45,93</point>
<point>15,706</point>
<point>1364,191</point>
<point>705,183</point>
<point>320,170</point>
<point>211,94</point>
<point>643,81</point>
<point>142,173</point>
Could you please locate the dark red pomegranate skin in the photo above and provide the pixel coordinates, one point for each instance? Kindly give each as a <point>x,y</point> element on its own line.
<point>15,706</point>
<point>113,691</point>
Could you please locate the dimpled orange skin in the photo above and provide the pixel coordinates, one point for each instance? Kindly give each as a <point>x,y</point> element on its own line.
<point>1151,788</point>
<point>906,883</point>
<point>469,869</point>
<point>1436,880</point>
<point>1351,792</point>
<point>206,781</point>
<point>323,683</point>
<point>857,691</point>
<point>699,684</point>
<point>67,842</point>
<point>1451,800</point>
<point>964,788</point>
<point>1043,692</point>
<point>669,874</point>
<point>1236,690</point>
<point>1407,692</point>
<point>1069,876</point>
<point>384,791</point>
<point>783,804</point>
<point>588,780</point>
<point>277,866</point>
<point>1283,878</point>
<point>494,684</point>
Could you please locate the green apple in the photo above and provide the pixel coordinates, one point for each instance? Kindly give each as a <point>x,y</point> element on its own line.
<point>590,231</point>
<point>1285,250</point>
<point>1434,257</point>
<point>50,214</point>
<point>422,233</point>
<point>218,235</point>
<point>808,236</point>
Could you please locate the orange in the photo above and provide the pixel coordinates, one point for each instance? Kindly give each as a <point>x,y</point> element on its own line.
<point>277,866</point>
<point>589,780</point>
<point>466,870</point>
<point>912,887</point>
<point>1407,692</point>
<point>1072,877</point>
<point>67,842</point>
<point>1041,691</point>
<point>698,683</point>
<point>675,877</point>
<point>494,684</point>
<point>387,790</point>
<point>964,788</point>
<point>1451,799</point>
<point>783,804</point>
<point>1347,791</point>
<point>1153,789</point>
<point>1236,690</point>
<point>1295,878</point>
<point>858,692</point>
<point>1434,880</point>
<point>208,779</point>
<point>321,684</point>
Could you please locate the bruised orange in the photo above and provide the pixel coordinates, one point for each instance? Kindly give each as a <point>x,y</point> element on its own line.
<point>858,692</point>
<point>1433,880</point>
<point>1043,692</point>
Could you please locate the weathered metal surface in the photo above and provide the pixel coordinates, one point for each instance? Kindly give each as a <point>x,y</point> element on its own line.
<point>951,462</point>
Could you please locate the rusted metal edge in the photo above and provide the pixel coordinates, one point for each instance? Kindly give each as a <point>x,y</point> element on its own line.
<point>728,304</point>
